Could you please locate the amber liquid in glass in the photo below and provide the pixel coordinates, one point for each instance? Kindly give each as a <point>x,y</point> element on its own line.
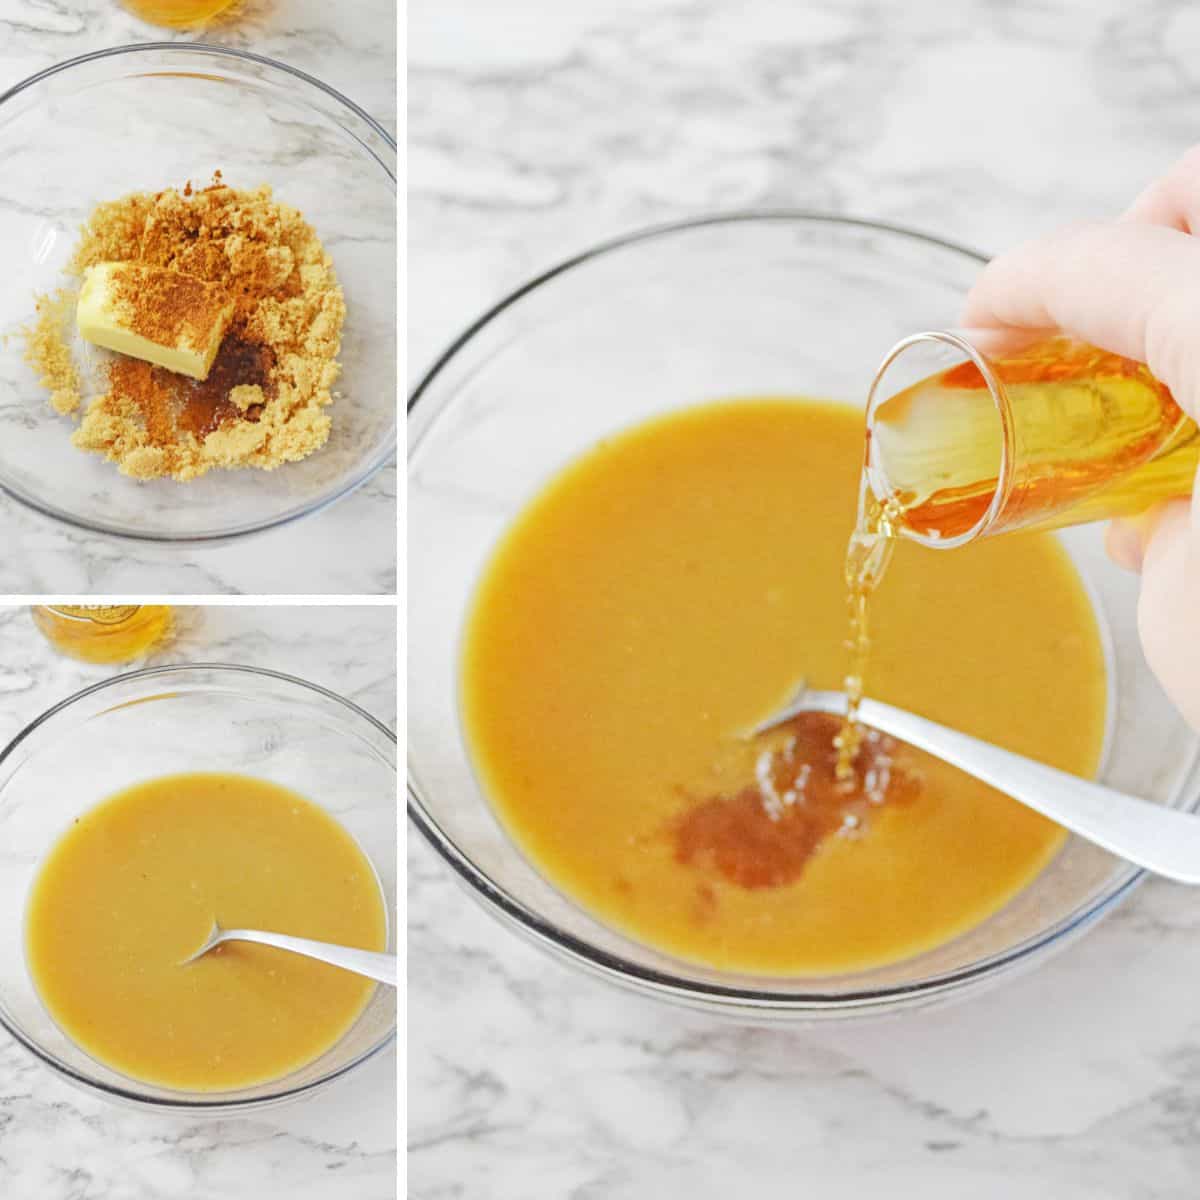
<point>104,633</point>
<point>1091,435</point>
<point>178,14</point>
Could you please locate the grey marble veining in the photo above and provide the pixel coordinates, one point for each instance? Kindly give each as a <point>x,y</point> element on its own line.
<point>59,1143</point>
<point>537,129</point>
<point>348,548</point>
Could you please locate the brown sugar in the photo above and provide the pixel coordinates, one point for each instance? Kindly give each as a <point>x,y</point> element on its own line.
<point>47,352</point>
<point>265,398</point>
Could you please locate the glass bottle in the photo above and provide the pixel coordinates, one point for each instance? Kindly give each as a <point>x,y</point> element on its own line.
<point>178,14</point>
<point>978,432</point>
<point>104,633</point>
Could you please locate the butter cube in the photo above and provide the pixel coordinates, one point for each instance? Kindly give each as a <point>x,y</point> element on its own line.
<point>168,318</point>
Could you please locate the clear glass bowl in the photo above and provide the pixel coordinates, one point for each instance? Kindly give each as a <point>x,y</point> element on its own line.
<point>745,304</point>
<point>162,721</point>
<point>145,117</point>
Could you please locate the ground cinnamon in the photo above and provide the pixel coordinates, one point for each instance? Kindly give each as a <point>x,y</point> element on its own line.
<point>168,309</point>
<point>764,835</point>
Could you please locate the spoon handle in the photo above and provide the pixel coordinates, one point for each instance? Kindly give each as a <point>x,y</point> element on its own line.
<point>1163,840</point>
<point>381,967</point>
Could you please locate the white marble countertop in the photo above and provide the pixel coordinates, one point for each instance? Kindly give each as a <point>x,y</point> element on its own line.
<point>59,1143</point>
<point>539,128</point>
<point>351,547</point>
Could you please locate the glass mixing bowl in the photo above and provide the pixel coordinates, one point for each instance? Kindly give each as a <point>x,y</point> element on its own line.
<point>163,721</point>
<point>755,304</point>
<point>146,117</point>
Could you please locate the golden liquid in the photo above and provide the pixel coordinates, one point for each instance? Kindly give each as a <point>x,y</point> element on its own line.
<point>105,633</point>
<point>178,14</point>
<point>665,593</point>
<point>134,886</point>
<point>868,554</point>
<point>1093,435</point>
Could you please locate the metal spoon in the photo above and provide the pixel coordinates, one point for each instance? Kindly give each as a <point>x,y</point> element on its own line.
<point>362,962</point>
<point>1163,840</point>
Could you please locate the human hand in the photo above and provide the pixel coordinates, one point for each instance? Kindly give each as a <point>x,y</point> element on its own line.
<point>1131,286</point>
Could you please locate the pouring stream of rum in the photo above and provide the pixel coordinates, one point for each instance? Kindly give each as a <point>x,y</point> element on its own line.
<point>867,558</point>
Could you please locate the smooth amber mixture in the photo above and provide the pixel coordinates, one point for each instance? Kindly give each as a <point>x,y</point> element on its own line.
<point>665,593</point>
<point>133,887</point>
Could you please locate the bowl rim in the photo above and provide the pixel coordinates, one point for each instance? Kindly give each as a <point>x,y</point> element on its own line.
<point>661,983</point>
<point>374,463</point>
<point>220,1101</point>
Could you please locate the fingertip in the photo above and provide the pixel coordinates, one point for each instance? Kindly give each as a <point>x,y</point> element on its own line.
<point>1015,288</point>
<point>1172,200</point>
<point>1128,540</point>
<point>1124,545</point>
<point>1162,525</point>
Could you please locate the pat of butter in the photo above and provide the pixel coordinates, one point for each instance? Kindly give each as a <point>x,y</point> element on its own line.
<point>168,318</point>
